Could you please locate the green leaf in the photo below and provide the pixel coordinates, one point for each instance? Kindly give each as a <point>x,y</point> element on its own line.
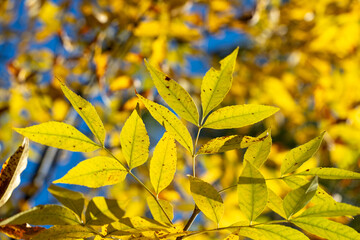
<point>11,170</point>
<point>65,232</point>
<point>163,163</point>
<point>87,112</point>
<point>300,197</point>
<point>95,172</point>
<point>217,83</point>
<point>321,195</point>
<point>238,116</point>
<point>331,209</point>
<point>127,226</point>
<point>73,200</point>
<point>327,229</point>
<point>101,211</point>
<point>271,232</point>
<point>59,135</point>
<point>252,192</point>
<point>174,95</point>
<point>44,215</point>
<point>331,173</point>
<point>275,203</point>
<point>248,140</point>
<point>207,199</point>
<point>156,211</point>
<point>221,144</point>
<point>121,228</point>
<point>170,122</point>
<point>297,156</point>
<point>134,141</point>
<point>258,152</point>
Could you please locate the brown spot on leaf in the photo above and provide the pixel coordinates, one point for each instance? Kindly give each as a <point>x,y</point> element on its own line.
<point>167,78</point>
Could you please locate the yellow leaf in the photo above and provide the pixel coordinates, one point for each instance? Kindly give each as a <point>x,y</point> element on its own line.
<point>174,95</point>
<point>59,135</point>
<point>87,112</point>
<point>221,144</point>
<point>95,172</point>
<point>258,152</point>
<point>156,211</point>
<point>163,163</point>
<point>170,122</point>
<point>134,140</point>
<point>120,83</point>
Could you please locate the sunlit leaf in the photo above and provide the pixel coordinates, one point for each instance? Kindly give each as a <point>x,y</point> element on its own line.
<point>170,122</point>
<point>11,170</point>
<point>174,95</point>
<point>44,215</point>
<point>252,192</point>
<point>275,203</point>
<point>258,152</point>
<point>65,233</point>
<point>23,231</point>
<point>217,83</point>
<point>325,228</point>
<point>207,199</point>
<point>271,232</point>
<point>331,209</point>
<point>300,197</point>
<point>297,156</point>
<point>157,212</point>
<point>127,226</point>
<point>95,172</point>
<point>87,112</point>
<point>73,200</point>
<point>101,211</point>
<point>221,144</point>
<point>59,135</point>
<point>331,173</point>
<point>248,140</point>
<point>238,116</point>
<point>135,140</point>
<point>163,163</point>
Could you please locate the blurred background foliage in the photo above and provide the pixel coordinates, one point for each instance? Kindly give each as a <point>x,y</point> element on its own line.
<point>302,56</point>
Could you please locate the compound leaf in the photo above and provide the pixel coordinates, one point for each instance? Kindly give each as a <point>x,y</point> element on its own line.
<point>174,95</point>
<point>238,116</point>
<point>134,140</point>
<point>101,211</point>
<point>170,122</point>
<point>59,135</point>
<point>87,112</point>
<point>95,172</point>
<point>297,156</point>
<point>207,199</point>
<point>220,144</point>
<point>217,83</point>
<point>252,192</point>
<point>163,163</point>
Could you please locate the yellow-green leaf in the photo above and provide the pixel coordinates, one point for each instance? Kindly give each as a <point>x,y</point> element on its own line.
<point>327,229</point>
<point>297,156</point>
<point>163,163</point>
<point>298,198</point>
<point>157,212</point>
<point>272,232</point>
<point>87,112</point>
<point>59,135</point>
<point>134,141</point>
<point>11,170</point>
<point>101,211</point>
<point>217,83</point>
<point>44,215</point>
<point>258,152</point>
<point>238,116</point>
<point>73,200</point>
<point>170,122</point>
<point>221,144</point>
<point>65,232</point>
<point>331,173</point>
<point>331,209</point>
<point>174,95</point>
<point>275,203</point>
<point>248,140</point>
<point>95,172</point>
<point>207,199</point>
<point>252,192</point>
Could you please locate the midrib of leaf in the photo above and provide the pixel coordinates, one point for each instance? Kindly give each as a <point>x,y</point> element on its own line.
<point>104,170</point>
<point>217,83</point>
<point>133,142</point>
<point>158,184</point>
<point>87,121</point>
